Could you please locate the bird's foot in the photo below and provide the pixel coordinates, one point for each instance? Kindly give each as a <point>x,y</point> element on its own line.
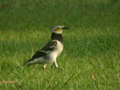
<point>44,66</point>
<point>60,68</point>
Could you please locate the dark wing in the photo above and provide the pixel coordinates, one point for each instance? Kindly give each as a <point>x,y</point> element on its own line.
<point>44,51</point>
<point>38,54</point>
<point>50,46</point>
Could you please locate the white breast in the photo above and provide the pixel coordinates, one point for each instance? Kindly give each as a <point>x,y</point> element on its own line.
<point>56,52</point>
<point>59,48</point>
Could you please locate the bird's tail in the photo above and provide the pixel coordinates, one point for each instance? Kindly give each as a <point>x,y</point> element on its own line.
<point>27,63</point>
<point>24,64</point>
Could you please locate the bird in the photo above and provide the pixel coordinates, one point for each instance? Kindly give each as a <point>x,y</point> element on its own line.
<point>49,53</point>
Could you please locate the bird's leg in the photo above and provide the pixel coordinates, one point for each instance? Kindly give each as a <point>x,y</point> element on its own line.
<point>55,63</point>
<point>44,66</point>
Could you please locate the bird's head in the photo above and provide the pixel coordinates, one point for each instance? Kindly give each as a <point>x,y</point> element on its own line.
<point>59,29</point>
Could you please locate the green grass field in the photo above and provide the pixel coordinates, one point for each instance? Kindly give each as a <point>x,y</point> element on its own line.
<point>91,56</point>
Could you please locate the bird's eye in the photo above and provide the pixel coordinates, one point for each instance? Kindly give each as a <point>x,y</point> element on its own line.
<point>58,29</point>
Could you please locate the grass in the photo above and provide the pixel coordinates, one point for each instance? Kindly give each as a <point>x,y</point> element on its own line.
<point>91,46</point>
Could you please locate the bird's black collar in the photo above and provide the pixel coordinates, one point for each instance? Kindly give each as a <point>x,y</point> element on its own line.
<point>56,36</point>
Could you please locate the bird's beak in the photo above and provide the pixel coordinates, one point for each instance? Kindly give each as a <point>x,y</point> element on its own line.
<point>65,28</point>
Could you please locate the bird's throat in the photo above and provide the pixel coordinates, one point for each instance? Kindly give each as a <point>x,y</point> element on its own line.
<point>56,36</point>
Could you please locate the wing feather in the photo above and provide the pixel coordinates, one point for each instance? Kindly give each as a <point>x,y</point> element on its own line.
<point>44,51</point>
<point>50,46</point>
